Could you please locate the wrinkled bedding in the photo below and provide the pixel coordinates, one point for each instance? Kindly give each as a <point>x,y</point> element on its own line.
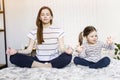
<point>71,72</point>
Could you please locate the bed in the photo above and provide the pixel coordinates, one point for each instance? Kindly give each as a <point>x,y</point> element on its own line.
<point>71,72</point>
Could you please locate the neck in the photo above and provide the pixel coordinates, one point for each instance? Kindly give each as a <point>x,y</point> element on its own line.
<point>91,44</point>
<point>46,25</point>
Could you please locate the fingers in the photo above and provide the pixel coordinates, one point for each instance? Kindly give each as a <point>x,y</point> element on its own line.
<point>10,51</point>
<point>109,37</point>
<point>109,40</point>
<point>69,50</point>
<point>79,48</point>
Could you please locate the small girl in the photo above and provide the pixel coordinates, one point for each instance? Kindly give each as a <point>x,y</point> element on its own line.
<point>90,51</point>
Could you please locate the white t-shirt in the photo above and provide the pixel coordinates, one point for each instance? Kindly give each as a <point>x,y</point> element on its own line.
<point>48,50</point>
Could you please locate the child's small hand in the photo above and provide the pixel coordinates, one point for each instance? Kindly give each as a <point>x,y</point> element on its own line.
<point>79,48</point>
<point>109,40</point>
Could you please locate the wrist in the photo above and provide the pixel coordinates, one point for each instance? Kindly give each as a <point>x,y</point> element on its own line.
<point>17,51</point>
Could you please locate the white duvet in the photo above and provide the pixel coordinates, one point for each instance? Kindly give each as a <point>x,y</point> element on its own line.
<point>71,72</point>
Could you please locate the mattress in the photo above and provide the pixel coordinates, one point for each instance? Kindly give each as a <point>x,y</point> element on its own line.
<point>71,72</point>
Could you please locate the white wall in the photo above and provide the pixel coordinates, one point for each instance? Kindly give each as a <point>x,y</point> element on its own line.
<point>71,15</point>
<point>2,49</point>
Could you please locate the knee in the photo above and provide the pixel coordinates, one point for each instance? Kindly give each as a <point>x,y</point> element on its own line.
<point>12,59</point>
<point>62,61</point>
<point>76,60</point>
<point>106,60</point>
<point>67,60</point>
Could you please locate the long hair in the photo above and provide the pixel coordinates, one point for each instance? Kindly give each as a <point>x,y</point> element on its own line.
<point>87,30</point>
<point>39,25</point>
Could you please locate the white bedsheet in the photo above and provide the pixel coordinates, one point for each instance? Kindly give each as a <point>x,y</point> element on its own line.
<point>71,72</point>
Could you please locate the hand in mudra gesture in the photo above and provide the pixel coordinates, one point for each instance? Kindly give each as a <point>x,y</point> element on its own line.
<point>11,51</point>
<point>79,48</point>
<point>109,40</point>
<point>69,50</point>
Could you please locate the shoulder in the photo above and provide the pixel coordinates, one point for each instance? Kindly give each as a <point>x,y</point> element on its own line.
<point>32,34</point>
<point>33,31</point>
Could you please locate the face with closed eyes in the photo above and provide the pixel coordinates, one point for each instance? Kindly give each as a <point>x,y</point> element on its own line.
<point>92,37</point>
<point>45,16</point>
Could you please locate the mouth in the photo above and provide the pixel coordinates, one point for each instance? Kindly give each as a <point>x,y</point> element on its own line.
<point>45,19</point>
<point>94,41</point>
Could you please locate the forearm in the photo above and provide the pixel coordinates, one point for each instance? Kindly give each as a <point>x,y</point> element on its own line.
<point>109,46</point>
<point>29,48</point>
<point>61,49</point>
<point>24,51</point>
<point>61,45</point>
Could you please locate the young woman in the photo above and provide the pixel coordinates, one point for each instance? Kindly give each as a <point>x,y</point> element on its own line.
<point>90,51</point>
<point>50,50</point>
